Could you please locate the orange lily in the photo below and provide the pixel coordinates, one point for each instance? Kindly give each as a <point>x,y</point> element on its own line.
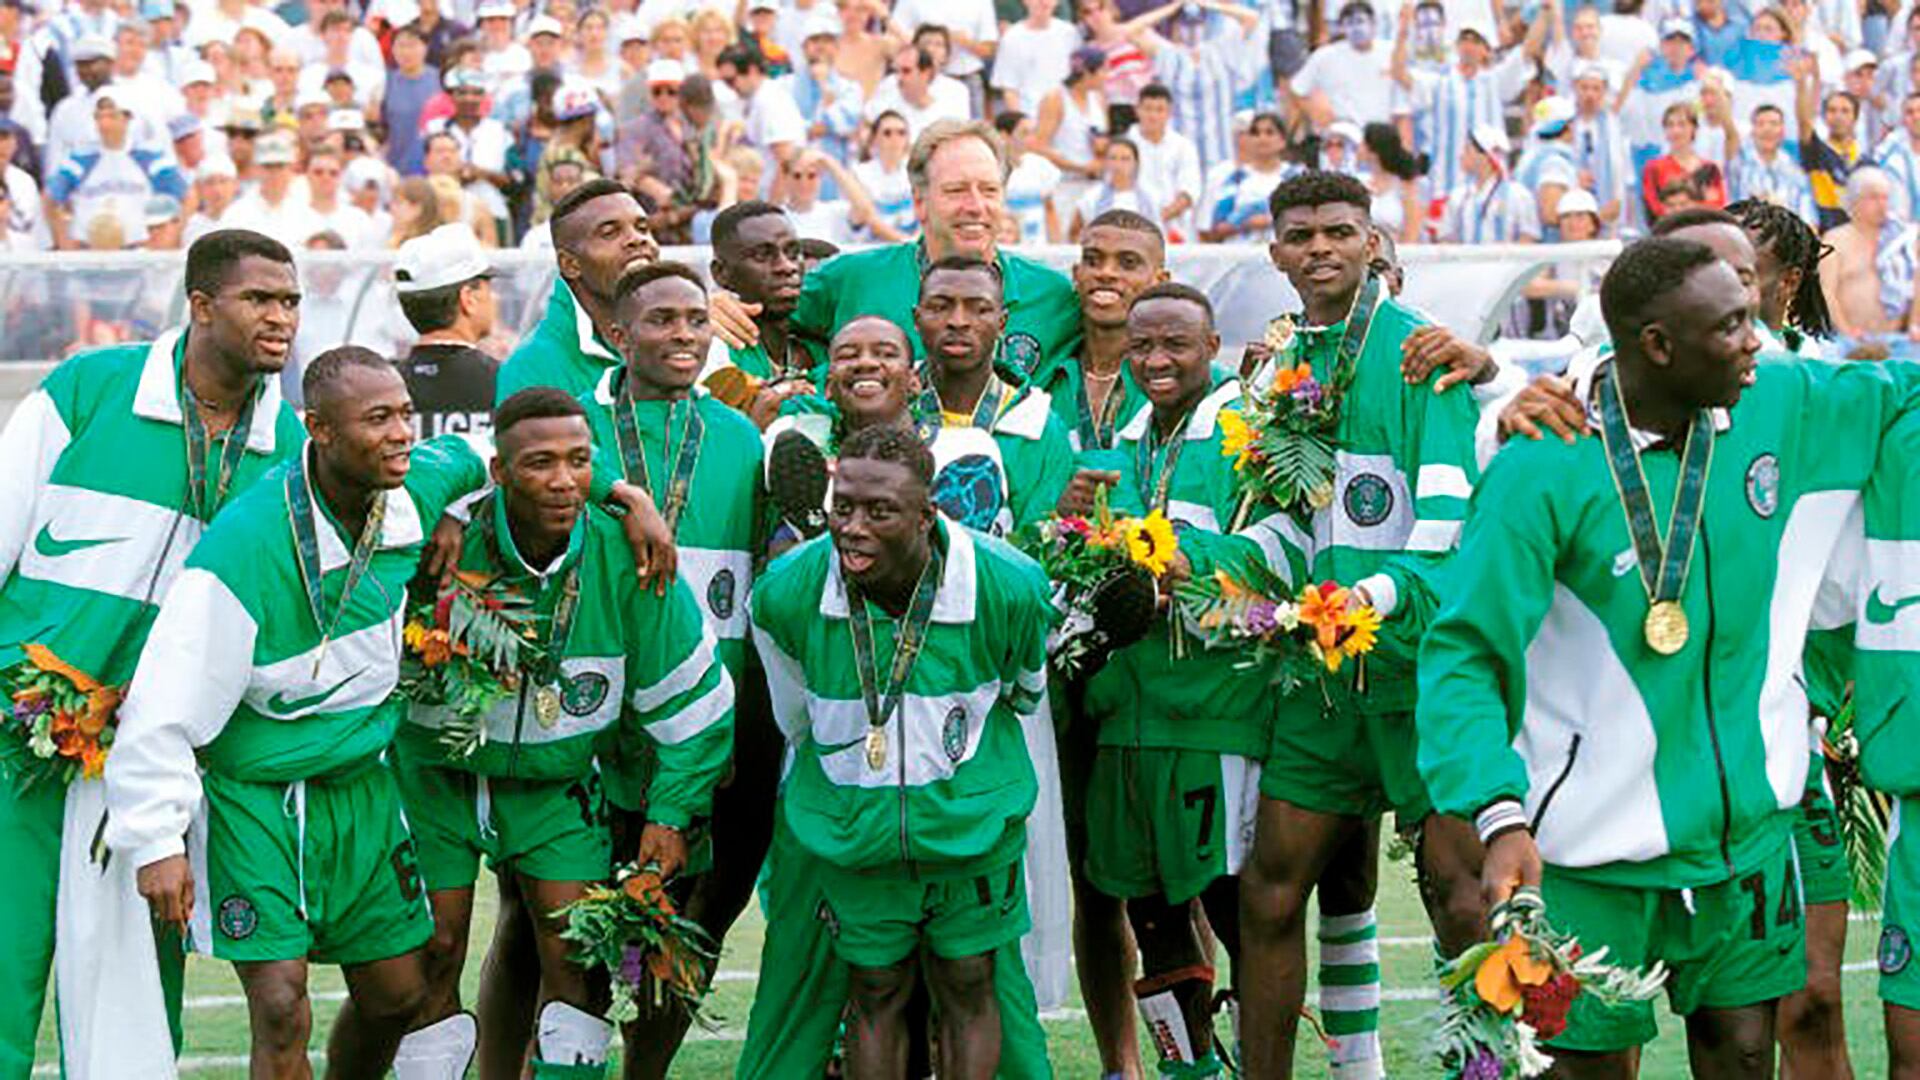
<point>1285,379</point>
<point>1505,971</point>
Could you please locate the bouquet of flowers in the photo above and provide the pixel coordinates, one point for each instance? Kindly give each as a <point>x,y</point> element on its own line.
<point>63,717</point>
<point>1301,634</point>
<point>1501,997</point>
<point>1282,439</point>
<point>1863,813</point>
<point>649,951</point>
<point>1102,568</point>
<point>465,650</point>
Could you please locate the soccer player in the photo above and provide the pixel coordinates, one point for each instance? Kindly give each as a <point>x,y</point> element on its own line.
<point>756,254</point>
<point>612,655</point>
<point>115,465</point>
<point>266,689</point>
<point>1172,790</point>
<point>959,173</point>
<point>600,231</point>
<point>1403,469</point>
<point>1001,457</point>
<point>700,460</point>
<point>872,383</point>
<point>902,654</point>
<point>1567,603</point>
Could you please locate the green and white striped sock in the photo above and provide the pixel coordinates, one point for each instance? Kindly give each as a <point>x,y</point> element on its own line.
<point>1350,994</point>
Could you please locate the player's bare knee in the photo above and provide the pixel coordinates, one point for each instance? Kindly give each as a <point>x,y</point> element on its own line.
<point>279,1011</point>
<point>877,992</point>
<point>964,982</point>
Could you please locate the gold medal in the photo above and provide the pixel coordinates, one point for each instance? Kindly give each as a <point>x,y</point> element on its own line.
<point>876,748</point>
<point>546,706</point>
<point>1279,334</point>
<point>1666,627</point>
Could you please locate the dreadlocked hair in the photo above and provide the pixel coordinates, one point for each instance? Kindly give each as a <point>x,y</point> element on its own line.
<point>1794,243</point>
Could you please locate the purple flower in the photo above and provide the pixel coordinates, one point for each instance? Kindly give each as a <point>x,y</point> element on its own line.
<point>1309,393</point>
<point>1260,621</point>
<point>633,966</point>
<point>1484,1065</point>
<point>26,712</point>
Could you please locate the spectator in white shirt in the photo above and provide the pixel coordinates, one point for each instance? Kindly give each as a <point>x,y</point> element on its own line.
<point>884,174</point>
<point>224,19</point>
<point>1169,163</point>
<point>215,185</point>
<point>797,187</point>
<point>1119,189</point>
<point>972,31</point>
<point>1069,126</point>
<point>306,38</point>
<point>1574,44</point>
<point>480,142</point>
<point>1031,182</point>
<point>70,124</point>
<point>1033,56</point>
<point>324,169</point>
<point>1350,78</point>
<point>774,125</point>
<point>912,96</point>
<point>110,178</point>
<point>337,37</point>
<point>946,89</point>
<point>22,227</point>
<point>503,59</point>
<point>151,95</point>
<point>274,208</point>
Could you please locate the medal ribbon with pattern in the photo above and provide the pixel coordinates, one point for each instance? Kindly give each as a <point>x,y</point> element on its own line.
<point>199,503</point>
<point>928,412</point>
<point>1663,569</point>
<point>906,650</point>
<point>544,673</point>
<point>1157,490</point>
<point>1097,431</point>
<point>306,545</point>
<point>633,458</point>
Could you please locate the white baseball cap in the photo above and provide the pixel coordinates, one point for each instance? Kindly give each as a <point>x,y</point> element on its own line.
<point>92,47</point>
<point>311,99</point>
<point>574,100</point>
<point>275,148</point>
<point>1676,27</point>
<point>216,165</point>
<point>545,24</point>
<point>449,255</point>
<point>1551,114</point>
<point>197,71</point>
<point>364,171</point>
<point>823,24</point>
<point>1578,201</point>
<point>1860,58</point>
<point>494,9</point>
<point>1490,138</point>
<point>629,28</point>
<point>665,70</point>
<point>1346,131</point>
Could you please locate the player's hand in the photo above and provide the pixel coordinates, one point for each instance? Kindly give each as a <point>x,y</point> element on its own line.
<point>765,407</point>
<point>1432,347</point>
<point>655,557</point>
<point>1513,862</point>
<point>167,885</point>
<point>442,556</point>
<point>665,848</point>
<point>1547,401</point>
<point>732,319</point>
<point>1178,570</point>
<point>1254,357</point>
<point>1078,498</point>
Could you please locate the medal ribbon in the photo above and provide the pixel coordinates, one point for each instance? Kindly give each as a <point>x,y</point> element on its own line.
<point>906,648</point>
<point>931,417</point>
<point>626,432</point>
<point>1346,359</point>
<point>1096,432</point>
<point>306,545</point>
<point>231,451</point>
<point>560,624</point>
<point>1662,572</point>
<point>1155,491</point>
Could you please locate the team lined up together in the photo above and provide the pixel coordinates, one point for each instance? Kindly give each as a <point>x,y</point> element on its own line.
<point>832,660</point>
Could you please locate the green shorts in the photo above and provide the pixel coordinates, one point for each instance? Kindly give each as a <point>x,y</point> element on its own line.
<point>320,869</point>
<point>1168,822</point>
<point>1348,764</point>
<point>1739,942</point>
<point>551,830</point>
<point>1825,877</point>
<point>1900,909</point>
<point>877,920</point>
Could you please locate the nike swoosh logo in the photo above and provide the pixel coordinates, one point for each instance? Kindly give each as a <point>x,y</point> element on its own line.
<point>1624,562</point>
<point>51,548</point>
<point>1879,611</point>
<point>279,704</point>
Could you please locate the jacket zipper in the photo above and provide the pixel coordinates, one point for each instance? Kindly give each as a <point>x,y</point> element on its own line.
<point>1713,725</point>
<point>1573,754</point>
<point>519,720</point>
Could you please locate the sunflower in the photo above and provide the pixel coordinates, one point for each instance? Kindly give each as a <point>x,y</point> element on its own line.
<point>1236,437</point>
<point>1362,625</point>
<point>1150,541</point>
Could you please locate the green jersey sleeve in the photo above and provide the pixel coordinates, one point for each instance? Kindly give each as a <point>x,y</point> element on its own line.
<point>682,700</point>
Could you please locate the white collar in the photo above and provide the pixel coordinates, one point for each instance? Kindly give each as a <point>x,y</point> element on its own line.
<point>158,395</point>
<point>959,579</point>
<point>399,524</point>
<point>1205,415</point>
<point>603,390</point>
<point>583,324</point>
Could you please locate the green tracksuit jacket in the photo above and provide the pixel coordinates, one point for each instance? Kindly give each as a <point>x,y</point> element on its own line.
<point>236,677</point>
<point>1043,312</point>
<point>954,792</point>
<point>1206,700</point>
<point>1537,685</point>
<point>632,659</point>
<point>564,351</point>
<point>1006,475</point>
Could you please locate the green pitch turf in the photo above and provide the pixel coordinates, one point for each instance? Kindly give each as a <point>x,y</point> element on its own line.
<point>216,1019</point>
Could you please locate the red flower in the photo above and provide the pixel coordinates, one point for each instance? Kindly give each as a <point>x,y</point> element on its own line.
<point>1544,1007</point>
